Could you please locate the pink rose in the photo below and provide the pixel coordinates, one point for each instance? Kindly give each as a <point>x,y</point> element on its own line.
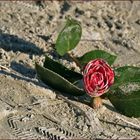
<point>98,76</point>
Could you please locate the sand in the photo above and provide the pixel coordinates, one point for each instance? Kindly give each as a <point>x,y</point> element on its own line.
<point>31,109</point>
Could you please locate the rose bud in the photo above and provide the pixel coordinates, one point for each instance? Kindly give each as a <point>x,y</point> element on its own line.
<point>98,76</point>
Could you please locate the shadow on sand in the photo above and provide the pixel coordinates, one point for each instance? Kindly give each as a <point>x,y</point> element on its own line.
<point>15,44</point>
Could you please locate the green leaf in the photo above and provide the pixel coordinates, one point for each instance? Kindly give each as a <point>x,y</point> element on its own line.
<point>97,54</point>
<point>126,103</point>
<point>61,70</point>
<point>126,74</point>
<point>69,37</point>
<point>57,82</point>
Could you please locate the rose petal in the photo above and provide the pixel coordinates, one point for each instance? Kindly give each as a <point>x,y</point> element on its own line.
<point>98,77</point>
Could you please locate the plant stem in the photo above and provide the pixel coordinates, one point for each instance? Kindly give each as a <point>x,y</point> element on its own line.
<point>96,102</point>
<point>75,60</point>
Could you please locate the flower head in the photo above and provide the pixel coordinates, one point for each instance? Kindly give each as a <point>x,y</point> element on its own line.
<point>98,76</point>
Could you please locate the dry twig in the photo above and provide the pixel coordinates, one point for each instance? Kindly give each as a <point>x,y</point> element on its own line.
<point>5,68</point>
<point>130,123</point>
